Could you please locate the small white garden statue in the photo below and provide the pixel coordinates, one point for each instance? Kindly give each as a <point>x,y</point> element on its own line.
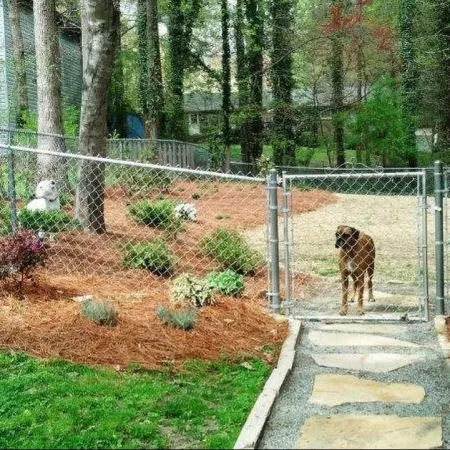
<point>47,197</point>
<point>186,211</point>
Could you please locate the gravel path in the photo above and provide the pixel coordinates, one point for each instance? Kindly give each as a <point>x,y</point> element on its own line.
<point>292,407</point>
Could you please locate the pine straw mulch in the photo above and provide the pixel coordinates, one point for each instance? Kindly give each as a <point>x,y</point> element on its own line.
<point>48,322</point>
<point>232,329</point>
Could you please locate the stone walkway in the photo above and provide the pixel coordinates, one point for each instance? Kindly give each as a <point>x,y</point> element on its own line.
<point>364,386</point>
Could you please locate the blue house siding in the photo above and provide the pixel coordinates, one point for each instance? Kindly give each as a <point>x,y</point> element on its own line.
<point>71,64</point>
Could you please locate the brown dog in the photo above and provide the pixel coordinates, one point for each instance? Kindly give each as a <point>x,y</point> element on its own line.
<point>356,257</point>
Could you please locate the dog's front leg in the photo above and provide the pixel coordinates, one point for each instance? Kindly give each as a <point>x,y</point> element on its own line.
<point>344,303</point>
<point>359,288</point>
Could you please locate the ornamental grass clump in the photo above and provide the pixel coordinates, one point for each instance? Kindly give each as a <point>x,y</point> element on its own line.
<point>183,319</point>
<point>100,312</point>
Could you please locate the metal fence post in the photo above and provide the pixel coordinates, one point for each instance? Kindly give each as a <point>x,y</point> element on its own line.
<point>274,241</point>
<point>287,247</point>
<point>12,185</point>
<point>439,228</point>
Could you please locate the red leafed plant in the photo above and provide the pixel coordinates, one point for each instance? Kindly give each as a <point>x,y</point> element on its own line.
<point>21,254</point>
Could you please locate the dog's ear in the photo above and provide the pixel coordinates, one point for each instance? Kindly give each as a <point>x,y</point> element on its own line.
<point>355,233</point>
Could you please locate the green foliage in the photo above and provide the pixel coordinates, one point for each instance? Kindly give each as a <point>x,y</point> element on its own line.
<point>154,256</point>
<point>227,282</point>
<point>144,181</point>
<point>101,408</point>
<point>5,219</point>
<point>49,221</point>
<point>264,164</point>
<point>101,313</point>
<point>183,319</point>
<point>159,214</point>
<point>232,252</point>
<point>378,126</point>
<point>188,290</point>
<point>71,121</point>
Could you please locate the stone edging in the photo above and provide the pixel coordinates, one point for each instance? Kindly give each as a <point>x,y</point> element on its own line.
<point>441,330</point>
<point>253,427</point>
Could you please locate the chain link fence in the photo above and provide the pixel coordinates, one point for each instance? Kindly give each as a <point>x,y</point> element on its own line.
<point>162,151</point>
<point>119,229</point>
<point>390,208</point>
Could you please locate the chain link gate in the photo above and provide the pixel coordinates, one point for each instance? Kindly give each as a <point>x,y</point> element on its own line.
<point>389,207</point>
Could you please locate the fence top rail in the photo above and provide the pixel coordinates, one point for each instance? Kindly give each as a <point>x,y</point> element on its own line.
<point>354,175</point>
<point>134,164</point>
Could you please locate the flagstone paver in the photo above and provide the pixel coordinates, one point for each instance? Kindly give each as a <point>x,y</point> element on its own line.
<point>325,339</point>
<point>333,389</point>
<point>370,432</point>
<point>365,362</point>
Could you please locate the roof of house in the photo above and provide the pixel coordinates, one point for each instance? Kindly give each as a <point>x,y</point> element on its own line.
<point>200,101</point>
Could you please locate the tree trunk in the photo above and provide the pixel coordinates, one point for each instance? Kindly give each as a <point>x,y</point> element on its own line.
<point>337,80</point>
<point>182,16</point>
<point>116,101</point>
<point>409,80</point>
<point>360,76</point>
<point>48,89</point>
<point>20,69</point>
<point>100,24</point>
<point>443,97</point>
<point>175,119</point>
<point>241,75</point>
<point>226,83</point>
<point>155,82</point>
<point>141,20</point>
<point>282,83</point>
<point>255,45</point>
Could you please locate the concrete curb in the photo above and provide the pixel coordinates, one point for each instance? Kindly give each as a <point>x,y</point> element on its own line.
<point>253,427</point>
<point>441,330</point>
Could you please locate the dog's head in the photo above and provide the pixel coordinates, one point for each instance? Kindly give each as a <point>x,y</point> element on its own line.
<point>346,237</point>
<point>47,189</point>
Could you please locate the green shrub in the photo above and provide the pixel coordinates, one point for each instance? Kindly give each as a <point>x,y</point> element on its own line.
<point>184,319</point>
<point>160,214</point>
<point>139,181</point>
<point>230,249</point>
<point>101,313</point>
<point>50,221</point>
<point>227,282</point>
<point>188,290</point>
<point>154,256</point>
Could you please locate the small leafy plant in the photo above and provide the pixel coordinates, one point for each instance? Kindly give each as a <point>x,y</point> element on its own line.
<point>232,252</point>
<point>183,319</point>
<point>188,290</point>
<point>48,221</point>
<point>227,282</point>
<point>100,312</point>
<point>159,214</point>
<point>21,254</point>
<point>154,256</point>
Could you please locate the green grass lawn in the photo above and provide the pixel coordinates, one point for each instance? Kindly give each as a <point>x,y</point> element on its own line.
<point>56,404</point>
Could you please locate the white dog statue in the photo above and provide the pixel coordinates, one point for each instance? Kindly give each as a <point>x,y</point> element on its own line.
<point>47,197</point>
